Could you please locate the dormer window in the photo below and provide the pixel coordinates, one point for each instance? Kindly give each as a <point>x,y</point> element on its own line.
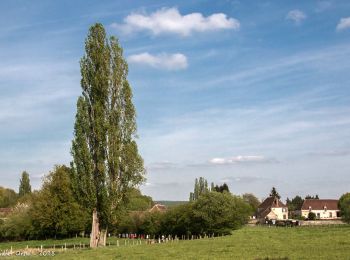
<point>309,208</point>
<point>325,208</point>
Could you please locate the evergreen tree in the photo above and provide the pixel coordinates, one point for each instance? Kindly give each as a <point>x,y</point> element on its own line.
<point>274,193</point>
<point>24,186</point>
<point>106,161</point>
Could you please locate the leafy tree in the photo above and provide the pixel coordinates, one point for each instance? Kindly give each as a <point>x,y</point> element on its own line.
<point>55,212</point>
<point>253,201</point>
<point>151,223</point>
<point>295,204</point>
<point>178,220</point>
<point>274,193</point>
<point>308,197</point>
<point>24,186</point>
<point>222,188</point>
<point>8,197</point>
<point>344,206</point>
<point>106,159</point>
<point>200,187</point>
<point>219,213</point>
<point>136,201</point>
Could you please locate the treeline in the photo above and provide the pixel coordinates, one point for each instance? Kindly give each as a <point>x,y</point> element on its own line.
<point>54,211</point>
<point>212,213</point>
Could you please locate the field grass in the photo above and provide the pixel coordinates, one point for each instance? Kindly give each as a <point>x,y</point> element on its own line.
<point>327,242</point>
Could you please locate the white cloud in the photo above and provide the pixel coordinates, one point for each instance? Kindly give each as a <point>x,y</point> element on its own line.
<point>296,15</point>
<point>169,20</point>
<point>343,24</point>
<point>238,159</point>
<point>176,61</point>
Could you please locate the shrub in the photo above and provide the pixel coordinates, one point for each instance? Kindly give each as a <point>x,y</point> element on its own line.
<point>311,216</point>
<point>344,206</point>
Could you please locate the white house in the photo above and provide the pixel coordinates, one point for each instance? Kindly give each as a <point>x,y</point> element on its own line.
<point>272,208</point>
<point>323,209</point>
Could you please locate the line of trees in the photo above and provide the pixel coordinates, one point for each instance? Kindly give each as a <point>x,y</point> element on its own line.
<point>211,213</point>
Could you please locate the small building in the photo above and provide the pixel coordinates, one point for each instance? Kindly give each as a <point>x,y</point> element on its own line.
<point>323,209</point>
<point>272,209</point>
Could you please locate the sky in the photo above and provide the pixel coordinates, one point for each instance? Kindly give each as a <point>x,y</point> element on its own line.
<point>252,93</point>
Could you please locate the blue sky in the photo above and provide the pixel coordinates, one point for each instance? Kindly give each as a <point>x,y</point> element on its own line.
<point>252,93</point>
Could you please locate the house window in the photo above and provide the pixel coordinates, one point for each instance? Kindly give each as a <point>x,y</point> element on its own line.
<point>284,216</point>
<point>318,215</point>
<point>330,214</point>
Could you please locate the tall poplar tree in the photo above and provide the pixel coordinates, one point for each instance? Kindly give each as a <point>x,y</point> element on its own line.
<point>106,161</point>
<point>24,186</point>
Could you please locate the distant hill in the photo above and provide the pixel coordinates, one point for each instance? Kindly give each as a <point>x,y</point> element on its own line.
<point>171,203</point>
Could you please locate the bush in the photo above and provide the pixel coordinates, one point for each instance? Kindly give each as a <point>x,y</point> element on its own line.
<point>311,216</point>
<point>18,226</point>
<point>344,206</point>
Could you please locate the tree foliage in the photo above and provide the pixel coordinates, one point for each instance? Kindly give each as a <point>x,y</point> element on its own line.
<point>274,193</point>
<point>106,159</point>
<point>219,213</point>
<point>200,187</point>
<point>136,201</point>
<point>221,188</point>
<point>8,197</point>
<point>295,204</point>
<point>311,216</point>
<point>308,197</point>
<point>24,186</point>
<point>55,212</point>
<point>18,225</point>
<point>344,206</point>
<point>252,200</point>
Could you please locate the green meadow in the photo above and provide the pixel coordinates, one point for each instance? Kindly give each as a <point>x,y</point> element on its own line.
<point>327,242</point>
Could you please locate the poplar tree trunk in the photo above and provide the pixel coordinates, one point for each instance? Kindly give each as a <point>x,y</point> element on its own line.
<point>98,236</point>
<point>95,230</point>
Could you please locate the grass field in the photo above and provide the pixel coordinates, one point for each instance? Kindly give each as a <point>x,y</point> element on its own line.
<point>332,242</point>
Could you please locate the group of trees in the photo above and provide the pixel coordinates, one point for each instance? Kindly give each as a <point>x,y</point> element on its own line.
<point>201,187</point>
<point>9,197</point>
<point>54,212</point>
<point>211,213</point>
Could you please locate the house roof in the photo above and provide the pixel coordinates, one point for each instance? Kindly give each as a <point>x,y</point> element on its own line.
<point>158,207</point>
<point>316,204</point>
<point>271,202</point>
<point>264,213</point>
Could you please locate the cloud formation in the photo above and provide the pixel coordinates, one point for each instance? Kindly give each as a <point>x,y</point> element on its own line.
<point>296,15</point>
<point>343,24</point>
<point>239,159</point>
<point>169,20</point>
<point>176,61</point>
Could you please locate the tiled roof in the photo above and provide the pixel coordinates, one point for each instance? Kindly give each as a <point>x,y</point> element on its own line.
<point>271,202</point>
<point>316,204</point>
